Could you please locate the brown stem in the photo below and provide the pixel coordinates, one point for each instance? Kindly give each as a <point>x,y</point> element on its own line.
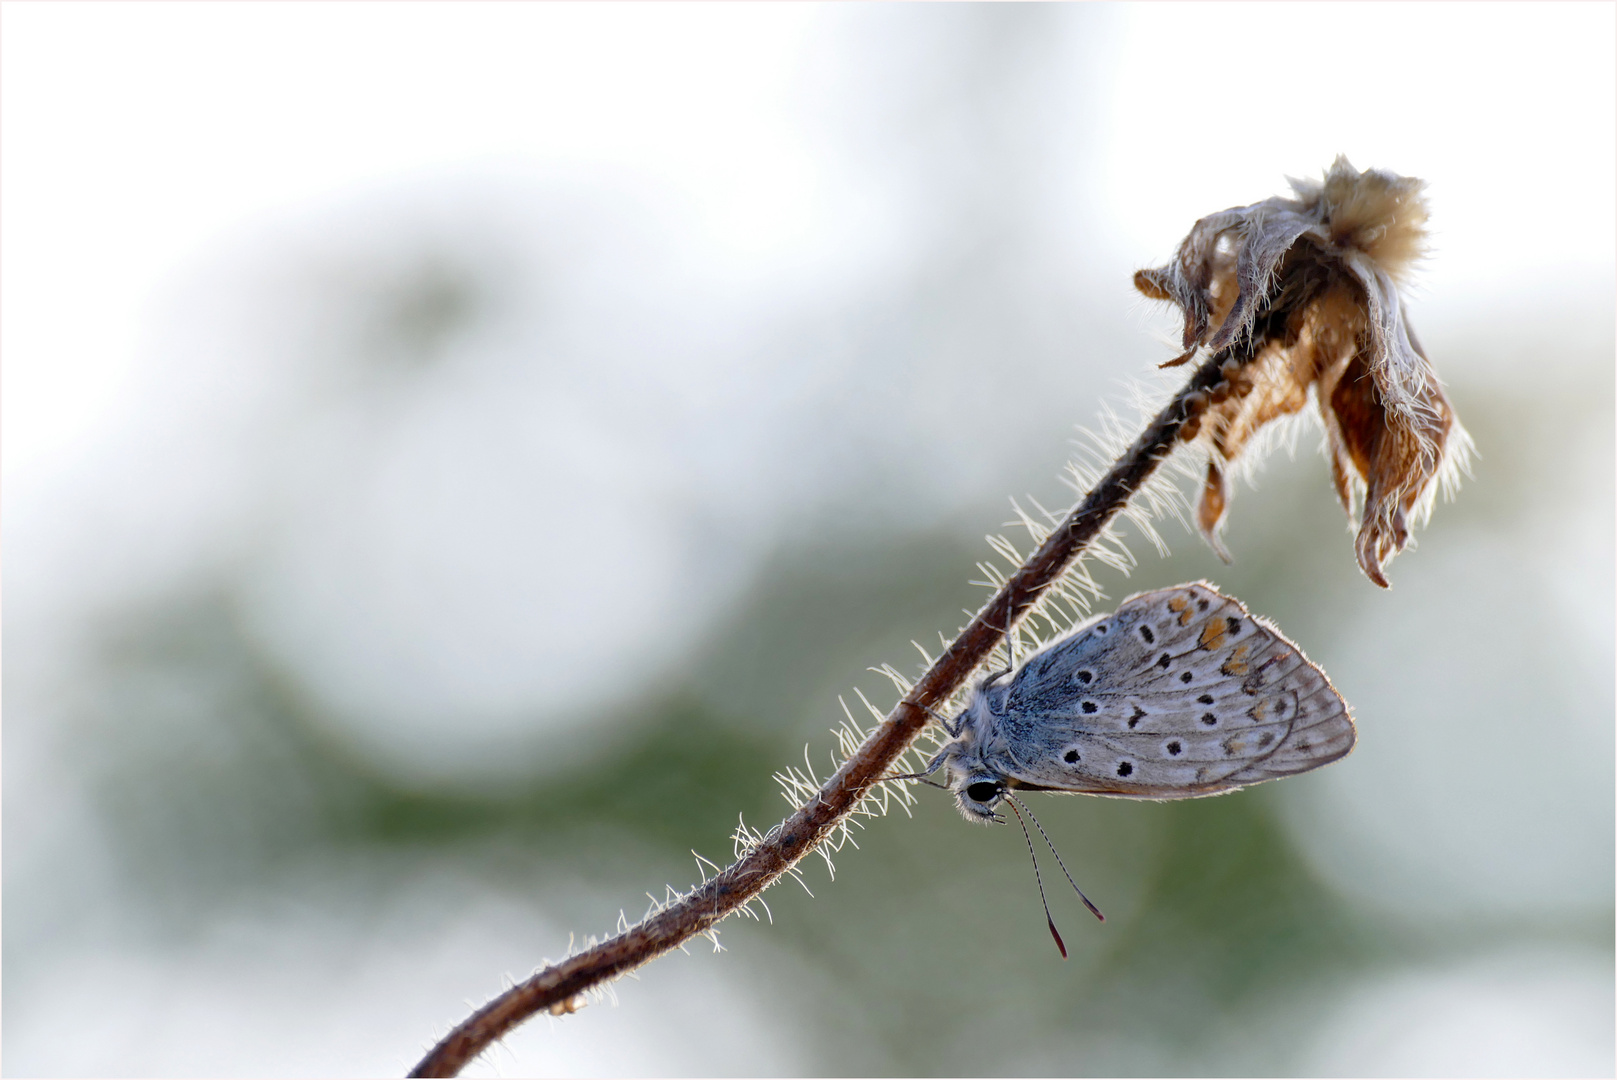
<point>557,985</point>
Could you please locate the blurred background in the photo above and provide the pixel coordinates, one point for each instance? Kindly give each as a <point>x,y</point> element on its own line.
<point>453,455</point>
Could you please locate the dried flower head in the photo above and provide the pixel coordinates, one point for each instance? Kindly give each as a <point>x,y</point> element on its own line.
<point>1301,295</point>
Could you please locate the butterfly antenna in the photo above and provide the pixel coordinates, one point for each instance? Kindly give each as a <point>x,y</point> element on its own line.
<point>1017,802</point>
<point>1039,881</point>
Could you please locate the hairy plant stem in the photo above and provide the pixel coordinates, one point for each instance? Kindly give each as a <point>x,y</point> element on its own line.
<point>556,986</point>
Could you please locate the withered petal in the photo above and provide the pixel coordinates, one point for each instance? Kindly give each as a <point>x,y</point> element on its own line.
<point>1266,238</point>
<point>1212,510</point>
<point>1302,295</point>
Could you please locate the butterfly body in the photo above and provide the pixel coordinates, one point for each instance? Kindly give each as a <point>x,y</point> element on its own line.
<point>1180,693</point>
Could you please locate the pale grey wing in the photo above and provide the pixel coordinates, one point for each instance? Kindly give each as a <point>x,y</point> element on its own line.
<point>1185,693</point>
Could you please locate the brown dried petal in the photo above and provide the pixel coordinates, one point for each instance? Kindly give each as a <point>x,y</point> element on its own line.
<point>1396,459</point>
<point>1189,280</point>
<point>1267,237</point>
<point>1397,363</point>
<point>1152,284</point>
<point>1212,509</point>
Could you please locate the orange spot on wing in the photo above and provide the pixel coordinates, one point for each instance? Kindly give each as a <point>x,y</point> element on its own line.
<point>1236,664</point>
<point>1213,634</point>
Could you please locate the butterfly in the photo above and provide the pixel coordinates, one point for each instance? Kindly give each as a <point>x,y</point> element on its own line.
<point>1179,693</point>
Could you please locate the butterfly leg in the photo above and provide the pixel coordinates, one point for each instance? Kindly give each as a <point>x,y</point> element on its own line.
<point>953,727</point>
<point>931,767</point>
<point>1010,658</point>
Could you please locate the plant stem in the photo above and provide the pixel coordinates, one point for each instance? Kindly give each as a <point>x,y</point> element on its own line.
<point>557,985</point>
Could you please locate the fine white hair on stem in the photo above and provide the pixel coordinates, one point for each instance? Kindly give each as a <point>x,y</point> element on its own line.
<point>1066,601</point>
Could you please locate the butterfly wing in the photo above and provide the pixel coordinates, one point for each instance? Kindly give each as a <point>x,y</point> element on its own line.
<point>1182,692</point>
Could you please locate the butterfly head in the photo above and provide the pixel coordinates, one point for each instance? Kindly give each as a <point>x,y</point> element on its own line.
<point>978,796</point>
<point>974,758</point>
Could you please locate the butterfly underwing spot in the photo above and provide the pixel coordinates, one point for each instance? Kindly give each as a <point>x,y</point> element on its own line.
<point>1233,624</point>
<point>1233,746</point>
<point>1205,699</point>
<point>1186,677</point>
<point>1212,636</point>
<point>1254,681</point>
<point>1256,712</point>
<point>1209,719</point>
<point>1089,706</point>
<point>1100,628</point>
<point>1264,739</point>
<point>1150,638</point>
<point>1086,677</point>
<point>1139,714</point>
<point>1181,607</point>
<point>1236,664</point>
<point>1163,661</point>
<point>1201,605</point>
<point>1070,757</point>
<point>1173,747</point>
<point>1124,768</point>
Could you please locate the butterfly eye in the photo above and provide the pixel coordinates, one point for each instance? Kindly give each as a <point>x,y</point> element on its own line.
<point>982,791</point>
